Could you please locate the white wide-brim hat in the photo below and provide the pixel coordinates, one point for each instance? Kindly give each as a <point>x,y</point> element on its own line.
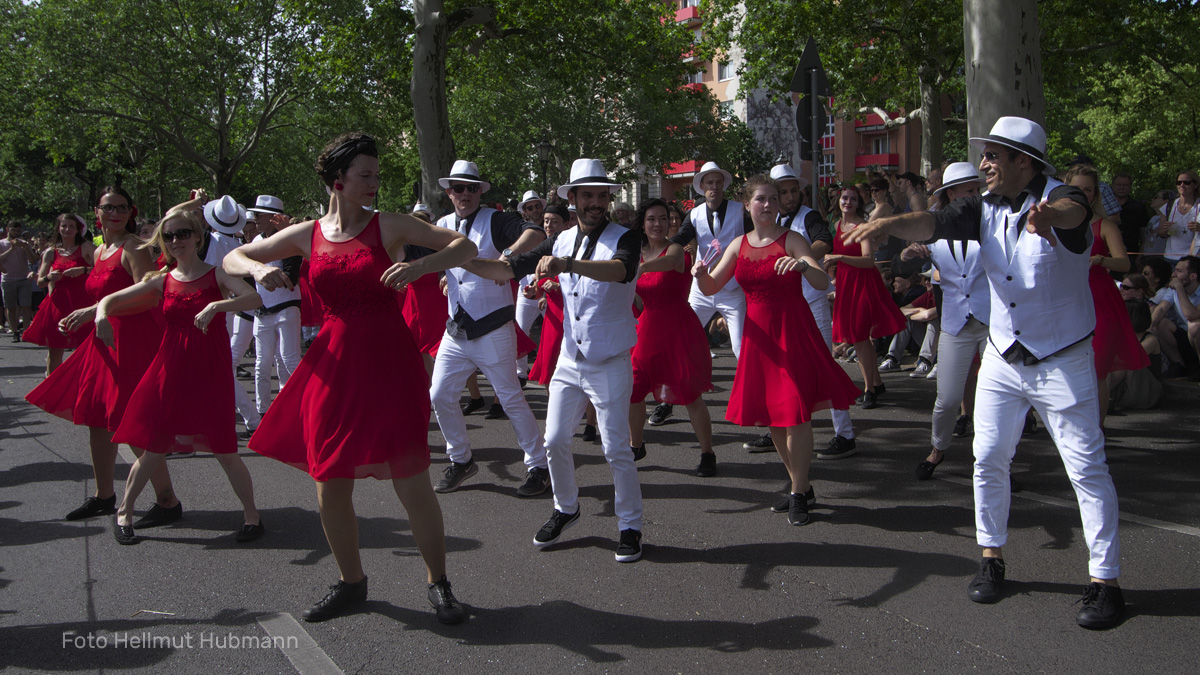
<point>588,172</point>
<point>1025,136</point>
<point>225,215</point>
<point>464,172</point>
<point>957,174</point>
<point>422,208</point>
<point>782,172</point>
<point>267,204</point>
<point>708,168</point>
<point>530,196</point>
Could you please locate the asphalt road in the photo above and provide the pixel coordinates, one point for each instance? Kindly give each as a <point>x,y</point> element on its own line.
<point>876,584</point>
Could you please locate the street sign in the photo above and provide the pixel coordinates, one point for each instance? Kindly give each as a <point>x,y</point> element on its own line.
<point>810,82</point>
<point>801,80</point>
<point>804,123</point>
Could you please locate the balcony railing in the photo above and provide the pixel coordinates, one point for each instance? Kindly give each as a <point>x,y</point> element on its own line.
<point>687,14</point>
<point>679,168</point>
<point>889,160</point>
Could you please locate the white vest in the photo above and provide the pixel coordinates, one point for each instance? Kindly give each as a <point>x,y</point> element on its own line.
<point>476,295</point>
<point>280,295</point>
<point>811,294</point>
<point>965,291</point>
<point>597,315</point>
<point>1041,298</point>
<point>220,246</point>
<point>729,229</point>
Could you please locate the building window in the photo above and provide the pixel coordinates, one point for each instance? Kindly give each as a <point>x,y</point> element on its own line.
<point>725,71</point>
<point>726,109</point>
<point>880,145</point>
<point>684,4</point>
<point>826,172</point>
<point>696,78</point>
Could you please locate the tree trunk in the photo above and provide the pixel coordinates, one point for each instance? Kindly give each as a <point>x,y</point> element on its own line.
<point>1003,62</point>
<point>430,112</point>
<point>933,129</point>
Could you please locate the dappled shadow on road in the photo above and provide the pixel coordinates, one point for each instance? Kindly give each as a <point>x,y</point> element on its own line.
<point>600,636</point>
<point>1172,602</point>
<point>15,532</point>
<point>45,472</point>
<point>910,568</point>
<point>53,647</point>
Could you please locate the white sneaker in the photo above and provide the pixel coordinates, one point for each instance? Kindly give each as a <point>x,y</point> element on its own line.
<point>921,370</point>
<point>889,365</point>
<point>932,373</point>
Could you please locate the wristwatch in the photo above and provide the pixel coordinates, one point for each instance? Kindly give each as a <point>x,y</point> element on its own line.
<point>570,263</point>
<point>507,253</point>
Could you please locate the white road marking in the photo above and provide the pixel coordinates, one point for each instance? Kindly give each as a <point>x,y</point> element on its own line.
<point>1055,501</point>
<point>307,658</point>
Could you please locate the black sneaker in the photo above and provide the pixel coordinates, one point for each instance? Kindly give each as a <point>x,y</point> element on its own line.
<point>244,373</point>
<point>245,434</point>
<point>761,444</point>
<point>341,597</point>
<point>1103,606</point>
<point>629,548</point>
<point>589,433</point>
<point>708,465</point>
<point>783,505</point>
<point>839,448</point>
<point>925,468</point>
<point>868,401</point>
<point>158,516</point>
<point>449,610</point>
<point>455,474</point>
<point>473,405</point>
<point>496,412</point>
<point>988,583</point>
<point>124,534</point>
<point>639,452</point>
<point>662,413</point>
<point>537,481</point>
<point>554,528</point>
<point>94,506</point>
<point>880,390</point>
<point>798,509</point>
<point>962,426</point>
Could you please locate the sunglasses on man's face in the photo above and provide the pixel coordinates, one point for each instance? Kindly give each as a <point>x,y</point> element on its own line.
<point>1184,182</point>
<point>181,235</point>
<point>469,187</point>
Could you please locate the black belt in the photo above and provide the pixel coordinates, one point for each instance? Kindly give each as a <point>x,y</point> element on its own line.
<point>1018,354</point>
<point>268,311</point>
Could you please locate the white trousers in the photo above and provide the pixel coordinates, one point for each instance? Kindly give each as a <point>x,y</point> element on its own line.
<point>1063,390</point>
<point>956,353</point>
<point>276,342</point>
<point>608,385</point>
<point>493,354</point>
<point>824,318</point>
<point>241,332</point>
<point>730,303</point>
<point>527,313</point>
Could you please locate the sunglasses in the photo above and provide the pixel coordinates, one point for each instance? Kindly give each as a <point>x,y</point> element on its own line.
<point>469,187</point>
<point>1184,182</point>
<point>531,207</point>
<point>989,156</point>
<point>181,235</point>
<point>109,208</point>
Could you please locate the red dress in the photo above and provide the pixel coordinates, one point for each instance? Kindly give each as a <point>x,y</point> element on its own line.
<point>357,406</point>
<point>671,358</point>
<point>185,400</point>
<point>1115,345</point>
<point>862,308</point>
<point>552,334</point>
<point>93,385</point>
<point>425,313</point>
<point>310,305</point>
<point>785,373</point>
<point>69,294</point>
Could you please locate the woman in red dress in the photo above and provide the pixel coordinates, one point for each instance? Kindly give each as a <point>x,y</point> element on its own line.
<point>424,308</point>
<point>671,358</point>
<point>64,269</point>
<point>862,308</point>
<point>92,387</point>
<point>550,301</point>
<point>786,372</point>
<point>1115,345</point>
<point>184,400</point>
<point>350,409</point>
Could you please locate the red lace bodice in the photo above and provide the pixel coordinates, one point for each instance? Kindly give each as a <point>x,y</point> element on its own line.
<point>346,275</point>
<point>755,272</point>
<point>1099,246</point>
<point>66,262</point>
<point>183,300</point>
<point>108,276</point>
<point>661,289</point>
<point>842,248</point>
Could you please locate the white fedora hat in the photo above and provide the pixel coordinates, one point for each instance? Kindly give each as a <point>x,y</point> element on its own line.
<point>225,215</point>
<point>422,208</point>
<point>251,217</point>
<point>529,196</point>
<point>782,172</point>
<point>1022,135</point>
<point>708,168</point>
<point>957,174</point>
<point>588,172</point>
<point>267,204</point>
<point>464,172</point>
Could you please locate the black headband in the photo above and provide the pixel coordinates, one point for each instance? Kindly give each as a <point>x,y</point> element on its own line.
<point>559,210</point>
<point>345,153</point>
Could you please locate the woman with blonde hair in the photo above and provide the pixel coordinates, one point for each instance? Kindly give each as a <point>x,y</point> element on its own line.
<point>184,402</point>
